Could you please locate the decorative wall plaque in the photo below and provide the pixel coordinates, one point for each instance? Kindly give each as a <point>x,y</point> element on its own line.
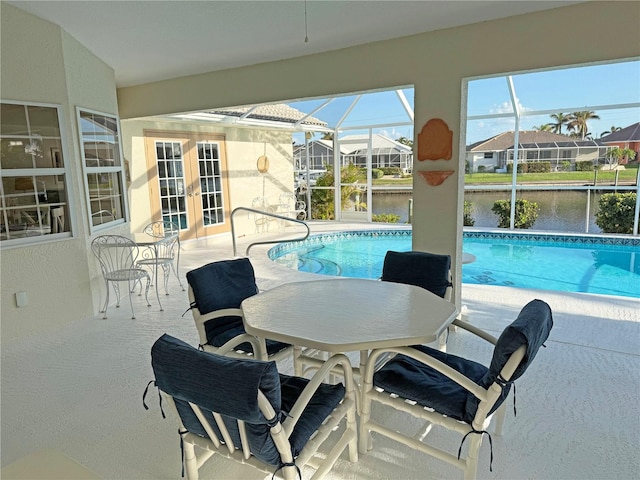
<point>435,178</point>
<point>263,164</point>
<point>435,141</point>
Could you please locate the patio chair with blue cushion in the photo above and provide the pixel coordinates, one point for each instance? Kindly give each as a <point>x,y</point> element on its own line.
<point>216,291</point>
<point>449,391</point>
<point>430,271</point>
<point>245,410</point>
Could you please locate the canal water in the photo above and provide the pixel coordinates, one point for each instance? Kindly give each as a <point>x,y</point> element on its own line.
<point>559,211</point>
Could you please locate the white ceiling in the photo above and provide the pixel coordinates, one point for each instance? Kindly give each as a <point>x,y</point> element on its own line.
<point>145,41</point>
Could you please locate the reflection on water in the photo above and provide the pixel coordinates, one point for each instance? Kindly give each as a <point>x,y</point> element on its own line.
<point>560,211</point>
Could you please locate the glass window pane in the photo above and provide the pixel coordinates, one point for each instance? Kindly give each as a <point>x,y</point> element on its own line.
<point>43,121</point>
<point>14,153</point>
<point>33,204</point>
<point>13,120</point>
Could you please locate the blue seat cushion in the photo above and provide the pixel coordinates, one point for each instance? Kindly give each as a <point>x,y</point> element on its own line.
<point>225,284</point>
<point>324,400</point>
<point>229,386</point>
<point>416,381</point>
<point>427,270</point>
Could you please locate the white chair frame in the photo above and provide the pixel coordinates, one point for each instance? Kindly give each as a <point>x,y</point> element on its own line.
<point>165,255</point>
<point>117,257</point>
<point>280,432</point>
<point>201,319</point>
<point>481,422</point>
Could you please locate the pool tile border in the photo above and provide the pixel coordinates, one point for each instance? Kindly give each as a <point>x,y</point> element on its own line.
<point>563,239</point>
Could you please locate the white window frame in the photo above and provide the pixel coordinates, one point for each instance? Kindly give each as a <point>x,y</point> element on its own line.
<point>60,171</point>
<point>118,168</point>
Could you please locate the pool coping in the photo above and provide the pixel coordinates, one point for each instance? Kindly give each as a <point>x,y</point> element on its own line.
<point>563,239</point>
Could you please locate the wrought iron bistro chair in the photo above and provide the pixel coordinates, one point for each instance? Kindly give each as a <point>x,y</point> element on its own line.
<point>164,254</point>
<point>449,391</point>
<point>216,291</point>
<point>245,410</point>
<point>117,256</point>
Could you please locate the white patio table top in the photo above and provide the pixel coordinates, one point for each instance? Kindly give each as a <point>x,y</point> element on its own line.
<point>347,314</point>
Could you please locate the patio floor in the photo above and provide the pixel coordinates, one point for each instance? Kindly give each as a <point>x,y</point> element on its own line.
<point>78,391</point>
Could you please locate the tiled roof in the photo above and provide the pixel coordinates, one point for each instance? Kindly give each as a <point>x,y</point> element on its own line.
<point>530,139</point>
<point>350,144</point>
<point>627,134</point>
<point>277,112</point>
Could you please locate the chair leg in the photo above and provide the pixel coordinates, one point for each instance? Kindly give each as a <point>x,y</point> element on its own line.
<point>297,362</point>
<point>472,457</point>
<point>146,291</point>
<point>106,302</point>
<point>176,268</point>
<point>500,414</point>
<point>190,461</point>
<point>166,270</point>
<point>133,315</point>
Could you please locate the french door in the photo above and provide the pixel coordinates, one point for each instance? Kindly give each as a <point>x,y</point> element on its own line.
<point>188,181</point>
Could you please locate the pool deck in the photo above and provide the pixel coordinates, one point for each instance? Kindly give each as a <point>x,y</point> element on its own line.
<point>75,395</point>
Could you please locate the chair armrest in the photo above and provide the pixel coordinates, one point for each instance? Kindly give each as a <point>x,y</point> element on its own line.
<point>237,340</point>
<point>314,383</point>
<point>475,330</point>
<point>200,320</point>
<point>428,360</point>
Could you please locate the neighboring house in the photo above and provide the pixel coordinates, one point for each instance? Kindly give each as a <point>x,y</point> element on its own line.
<point>628,137</point>
<point>385,153</point>
<point>495,153</point>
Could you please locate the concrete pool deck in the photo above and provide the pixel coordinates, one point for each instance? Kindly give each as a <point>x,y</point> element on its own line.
<point>78,390</point>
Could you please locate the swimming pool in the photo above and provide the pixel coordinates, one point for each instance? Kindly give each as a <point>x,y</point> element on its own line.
<point>571,263</point>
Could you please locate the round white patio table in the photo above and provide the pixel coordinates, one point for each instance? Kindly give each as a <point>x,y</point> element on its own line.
<point>347,315</point>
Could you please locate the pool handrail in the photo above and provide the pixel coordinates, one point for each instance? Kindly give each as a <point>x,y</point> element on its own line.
<point>266,242</point>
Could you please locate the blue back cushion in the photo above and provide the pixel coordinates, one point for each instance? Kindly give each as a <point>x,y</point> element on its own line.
<point>225,385</point>
<point>531,328</point>
<point>229,386</point>
<point>219,285</point>
<point>427,270</point>
<point>223,284</point>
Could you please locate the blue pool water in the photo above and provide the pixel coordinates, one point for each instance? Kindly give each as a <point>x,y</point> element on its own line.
<point>590,264</point>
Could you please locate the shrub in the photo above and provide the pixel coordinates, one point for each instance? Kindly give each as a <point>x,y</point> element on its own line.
<point>468,219</point>
<point>566,165</point>
<point>526,213</point>
<point>481,169</point>
<point>377,173</point>
<point>392,170</point>
<point>538,167</point>
<point>385,218</point>
<point>531,167</point>
<point>615,214</point>
<point>585,166</point>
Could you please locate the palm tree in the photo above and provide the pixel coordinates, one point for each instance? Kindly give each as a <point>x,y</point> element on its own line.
<point>578,123</point>
<point>611,130</point>
<point>327,136</point>
<point>547,127</point>
<point>405,141</point>
<point>561,119</point>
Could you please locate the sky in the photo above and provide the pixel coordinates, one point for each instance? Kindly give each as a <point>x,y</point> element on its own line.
<point>562,91</point>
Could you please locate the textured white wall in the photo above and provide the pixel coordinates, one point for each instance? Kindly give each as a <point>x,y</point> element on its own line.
<point>41,63</point>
